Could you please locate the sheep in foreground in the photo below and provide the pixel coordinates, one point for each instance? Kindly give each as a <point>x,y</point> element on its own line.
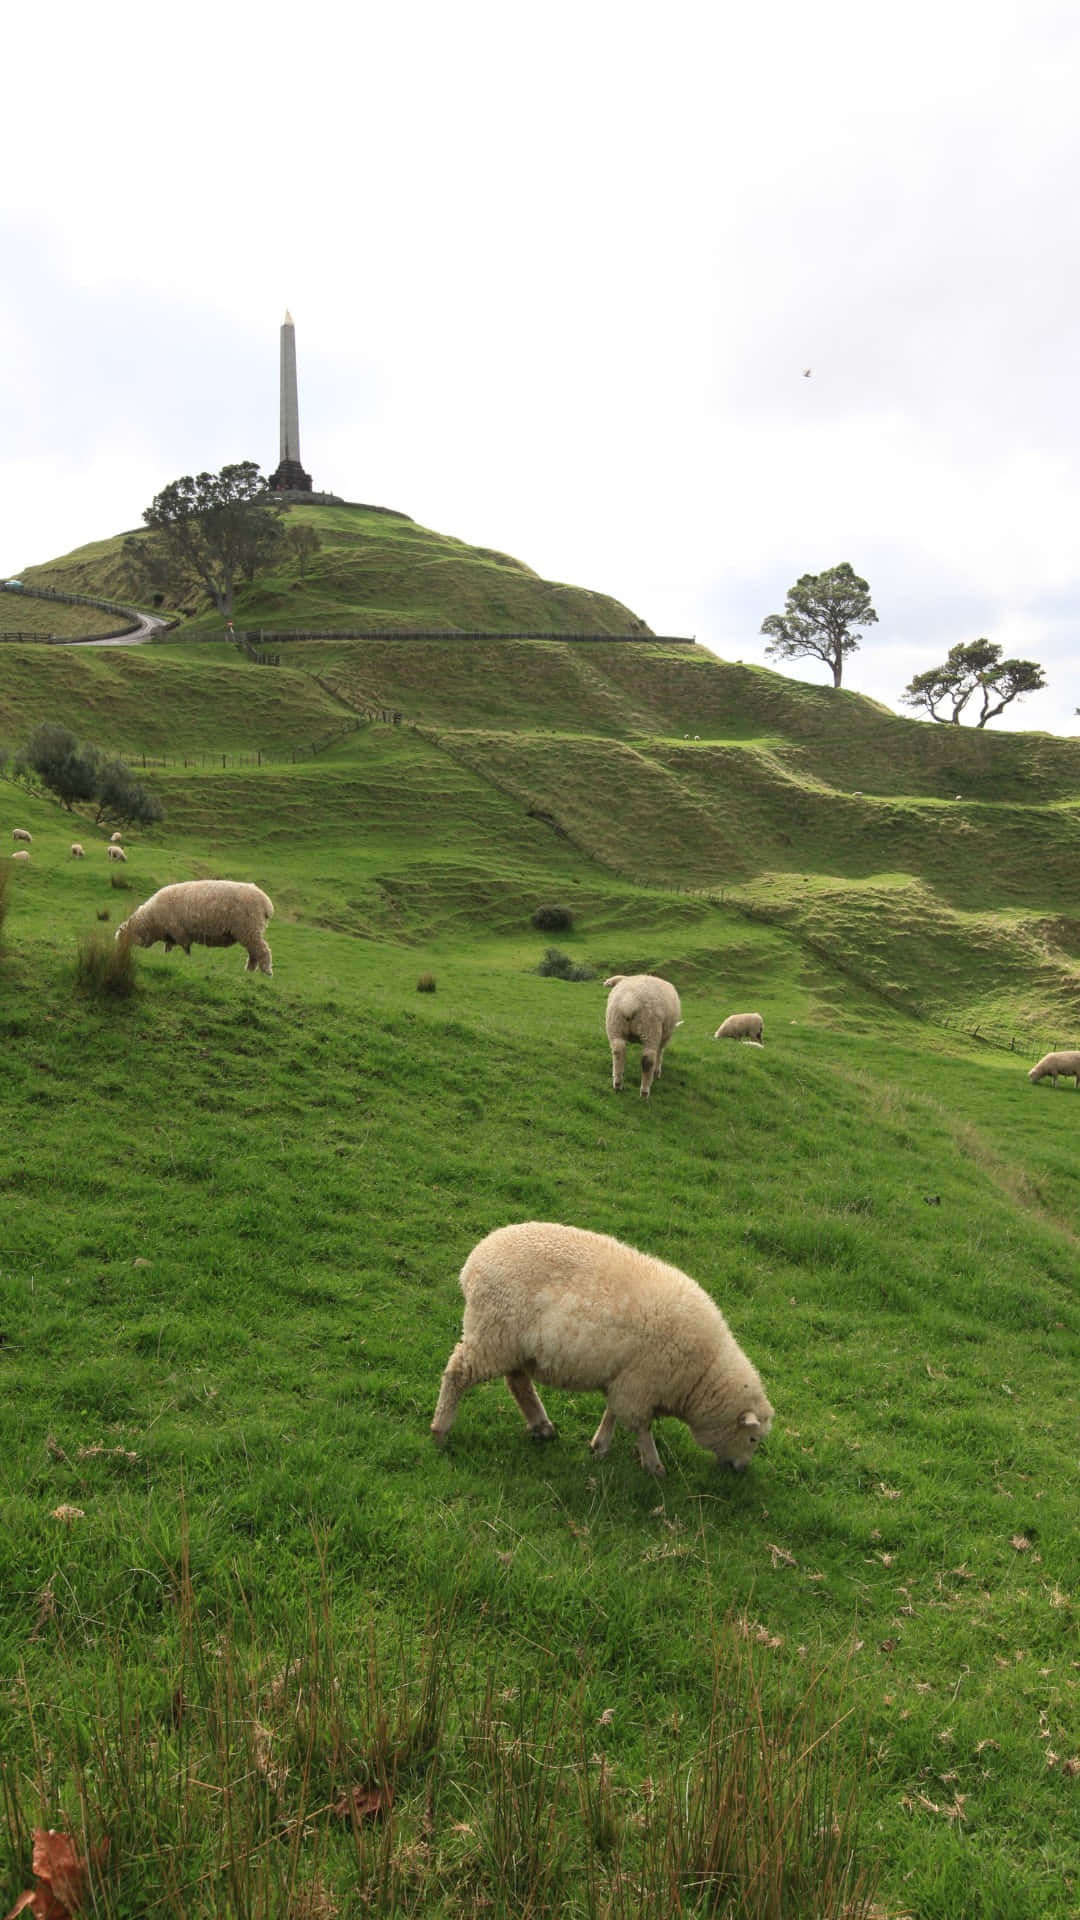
<point>77,851</point>
<point>20,833</point>
<point>205,913</point>
<point>643,1008</point>
<point>742,1026</point>
<point>116,853</point>
<point>582,1311</point>
<point>1051,1064</point>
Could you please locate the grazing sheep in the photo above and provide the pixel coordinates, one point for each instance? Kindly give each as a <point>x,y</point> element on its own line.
<point>76,851</point>
<point>742,1026</point>
<point>582,1311</point>
<point>116,853</point>
<point>1051,1064</point>
<point>205,913</point>
<point>20,833</point>
<point>114,837</point>
<point>643,1008</point>
<point>21,854</point>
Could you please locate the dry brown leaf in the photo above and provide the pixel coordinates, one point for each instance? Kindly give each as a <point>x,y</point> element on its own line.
<point>52,1445</point>
<point>781,1557</point>
<point>1021,1543</point>
<point>362,1803</point>
<point>67,1514</point>
<point>61,1875</point>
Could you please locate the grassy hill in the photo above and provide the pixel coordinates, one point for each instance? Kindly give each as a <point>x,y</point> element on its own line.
<point>374,568</point>
<point>255,1631</point>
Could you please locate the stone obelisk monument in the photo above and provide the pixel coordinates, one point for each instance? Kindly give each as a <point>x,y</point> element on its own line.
<point>290,476</point>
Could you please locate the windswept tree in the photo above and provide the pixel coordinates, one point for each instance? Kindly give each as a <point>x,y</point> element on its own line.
<point>973,669</point>
<point>820,619</point>
<point>214,529</point>
<point>53,756</point>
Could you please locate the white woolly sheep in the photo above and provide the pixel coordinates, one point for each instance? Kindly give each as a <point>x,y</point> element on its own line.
<point>742,1026</point>
<point>643,1008</point>
<point>116,853</point>
<point>1051,1064</point>
<point>582,1311</point>
<point>76,851</point>
<point>21,854</point>
<point>205,913</point>
<point>20,833</point>
<point>116,836</point>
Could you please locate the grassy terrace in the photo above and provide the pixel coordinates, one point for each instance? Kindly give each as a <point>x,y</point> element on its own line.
<point>256,1631</point>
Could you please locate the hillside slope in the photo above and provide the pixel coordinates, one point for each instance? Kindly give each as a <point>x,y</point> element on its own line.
<point>372,569</point>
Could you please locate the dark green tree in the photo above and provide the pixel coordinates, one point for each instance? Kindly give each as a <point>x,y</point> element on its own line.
<point>974,667</point>
<point>214,528</point>
<point>820,615</point>
<point>72,772</point>
<point>304,542</point>
<point>53,755</point>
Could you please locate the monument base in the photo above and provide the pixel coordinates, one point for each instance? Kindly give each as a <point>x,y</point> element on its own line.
<point>289,478</point>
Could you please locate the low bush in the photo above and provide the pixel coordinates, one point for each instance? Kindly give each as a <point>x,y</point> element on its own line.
<point>105,968</point>
<point>559,966</point>
<point>426,983</point>
<point>552,919</point>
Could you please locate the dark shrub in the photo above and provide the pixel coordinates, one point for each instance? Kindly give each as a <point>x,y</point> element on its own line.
<point>559,966</point>
<point>552,919</point>
<point>426,983</point>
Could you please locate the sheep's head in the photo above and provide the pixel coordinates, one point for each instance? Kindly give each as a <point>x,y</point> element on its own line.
<point>735,1441</point>
<point>122,929</point>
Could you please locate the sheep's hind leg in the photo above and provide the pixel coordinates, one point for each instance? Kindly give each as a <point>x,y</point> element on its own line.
<point>521,1386</point>
<point>459,1376</point>
<point>600,1444</point>
<point>618,1063</point>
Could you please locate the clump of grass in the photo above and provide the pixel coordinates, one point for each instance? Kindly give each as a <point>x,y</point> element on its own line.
<point>553,919</point>
<point>559,966</point>
<point>426,983</point>
<point>105,968</point>
<point>4,872</point>
<point>103,913</point>
<point>121,885</point>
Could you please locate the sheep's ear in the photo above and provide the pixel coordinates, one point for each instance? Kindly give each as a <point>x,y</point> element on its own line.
<point>748,1420</point>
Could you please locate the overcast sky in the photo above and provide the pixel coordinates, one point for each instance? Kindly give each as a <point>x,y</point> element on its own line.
<point>556,272</point>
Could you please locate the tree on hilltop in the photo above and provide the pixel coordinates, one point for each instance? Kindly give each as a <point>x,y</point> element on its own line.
<point>214,528</point>
<point>819,616</point>
<point>973,667</point>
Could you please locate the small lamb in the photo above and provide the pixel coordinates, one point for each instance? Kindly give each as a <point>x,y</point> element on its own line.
<point>1051,1064</point>
<point>742,1026</point>
<point>582,1311</point>
<point>643,1008</point>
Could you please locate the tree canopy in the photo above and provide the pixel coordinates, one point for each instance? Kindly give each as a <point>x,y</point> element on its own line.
<point>72,772</point>
<point>820,616</point>
<point>213,528</point>
<point>974,667</point>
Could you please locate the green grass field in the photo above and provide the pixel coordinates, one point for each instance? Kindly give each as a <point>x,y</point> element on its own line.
<point>257,1633</point>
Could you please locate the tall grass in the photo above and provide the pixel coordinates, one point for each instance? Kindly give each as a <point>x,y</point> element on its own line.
<point>431,1777</point>
<point>104,967</point>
